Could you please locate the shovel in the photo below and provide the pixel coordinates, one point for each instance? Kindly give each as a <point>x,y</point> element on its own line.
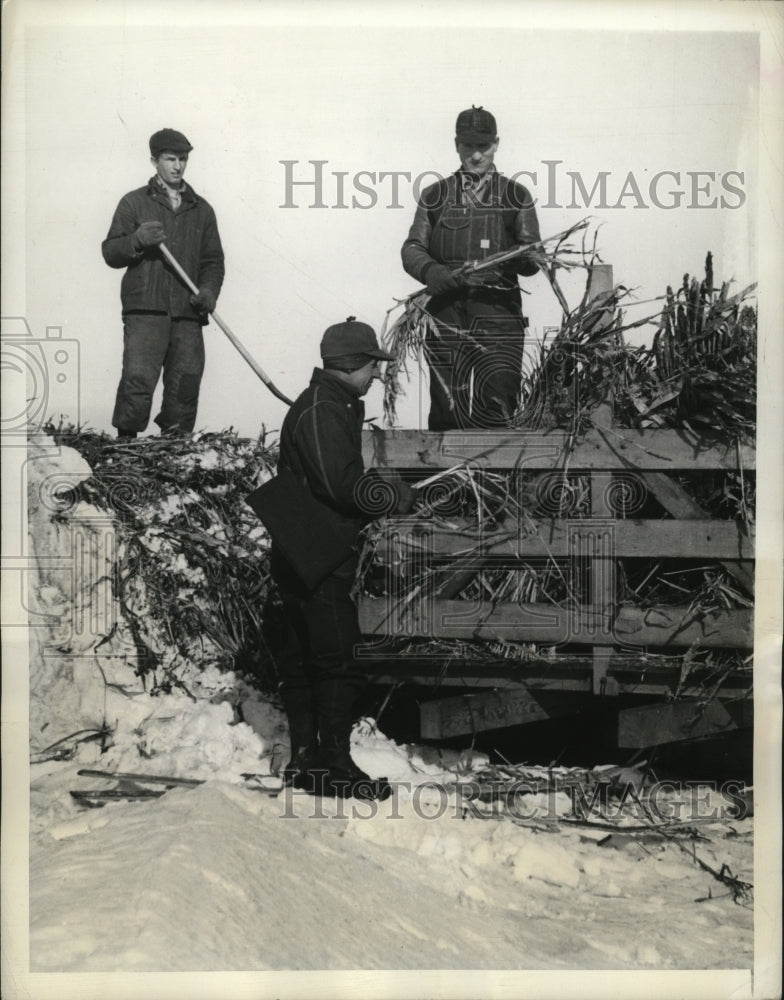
<point>226,329</point>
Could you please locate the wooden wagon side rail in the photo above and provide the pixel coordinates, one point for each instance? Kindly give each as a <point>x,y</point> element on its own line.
<point>563,538</point>
<point>615,633</point>
<point>604,449</point>
<point>548,625</point>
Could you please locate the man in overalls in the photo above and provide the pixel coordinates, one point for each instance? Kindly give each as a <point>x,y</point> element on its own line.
<point>476,353</point>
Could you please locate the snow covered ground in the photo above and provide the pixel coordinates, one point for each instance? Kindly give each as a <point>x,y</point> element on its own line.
<point>222,878</point>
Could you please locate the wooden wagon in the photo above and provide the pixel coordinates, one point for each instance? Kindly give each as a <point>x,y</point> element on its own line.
<point>602,647</point>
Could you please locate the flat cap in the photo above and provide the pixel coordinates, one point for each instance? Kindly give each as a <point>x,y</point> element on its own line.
<point>169,140</point>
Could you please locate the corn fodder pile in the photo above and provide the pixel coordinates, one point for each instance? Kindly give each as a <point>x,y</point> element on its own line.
<point>192,576</point>
<point>697,374</point>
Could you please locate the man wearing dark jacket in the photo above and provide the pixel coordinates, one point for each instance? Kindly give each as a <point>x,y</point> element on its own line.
<point>162,320</point>
<point>476,355</point>
<point>321,443</point>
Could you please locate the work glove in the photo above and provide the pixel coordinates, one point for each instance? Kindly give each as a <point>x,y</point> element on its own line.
<point>526,267</point>
<point>440,279</point>
<point>149,234</point>
<point>203,301</point>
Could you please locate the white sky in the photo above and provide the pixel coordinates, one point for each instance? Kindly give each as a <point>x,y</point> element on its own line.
<point>364,97</point>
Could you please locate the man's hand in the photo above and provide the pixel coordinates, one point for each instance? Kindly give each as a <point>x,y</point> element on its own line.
<point>149,234</point>
<point>440,279</point>
<point>203,301</point>
<point>403,497</point>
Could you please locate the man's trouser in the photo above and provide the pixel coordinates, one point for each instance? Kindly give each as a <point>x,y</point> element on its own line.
<point>475,360</point>
<point>153,341</point>
<point>319,680</point>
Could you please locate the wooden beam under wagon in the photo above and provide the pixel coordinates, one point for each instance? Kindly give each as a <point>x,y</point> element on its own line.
<point>559,672</point>
<point>477,713</point>
<point>653,725</point>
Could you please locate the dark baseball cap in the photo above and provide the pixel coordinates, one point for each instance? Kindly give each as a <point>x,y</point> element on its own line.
<point>351,338</point>
<point>169,140</point>
<point>476,125</point>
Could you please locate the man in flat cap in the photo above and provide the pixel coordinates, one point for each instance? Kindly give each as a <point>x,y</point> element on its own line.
<point>321,444</point>
<point>162,320</point>
<point>475,357</point>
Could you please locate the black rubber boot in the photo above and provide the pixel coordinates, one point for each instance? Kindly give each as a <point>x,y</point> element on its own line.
<point>303,736</point>
<point>337,775</point>
<point>298,773</point>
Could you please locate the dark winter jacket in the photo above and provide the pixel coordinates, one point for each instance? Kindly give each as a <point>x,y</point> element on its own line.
<point>452,225</point>
<point>321,441</point>
<point>149,283</point>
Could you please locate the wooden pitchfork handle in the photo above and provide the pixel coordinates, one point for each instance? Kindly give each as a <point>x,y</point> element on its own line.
<point>226,329</point>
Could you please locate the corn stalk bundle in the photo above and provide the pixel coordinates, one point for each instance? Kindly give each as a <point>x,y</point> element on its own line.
<point>704,358</point>
<point>699,372</point>
<point>193,575</point>
<point>586,364</point>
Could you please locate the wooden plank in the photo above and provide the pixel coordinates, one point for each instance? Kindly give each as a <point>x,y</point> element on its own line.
<point>561,538</point>
<point>671,722</point>
<point>477,713</point>
<point>663,626</point>
<point>548,625</point>
<point>600,282</point>
<point>564,672</point>
<point>601,449</point>
<point>674,498</point>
